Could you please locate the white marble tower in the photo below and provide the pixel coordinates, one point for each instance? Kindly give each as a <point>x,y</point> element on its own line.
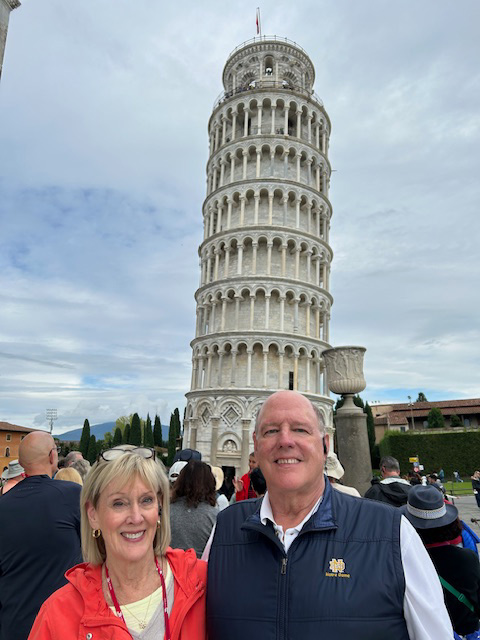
<point>6,6</point>
<point>263,304</point>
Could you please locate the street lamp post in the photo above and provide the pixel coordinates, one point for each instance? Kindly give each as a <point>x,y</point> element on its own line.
<point>410,404</point>
<point>51,417</point>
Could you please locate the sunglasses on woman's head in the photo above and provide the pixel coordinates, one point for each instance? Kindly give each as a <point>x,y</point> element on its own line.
<point>117,452</point>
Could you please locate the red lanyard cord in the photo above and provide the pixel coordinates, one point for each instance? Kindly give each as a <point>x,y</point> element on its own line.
<point>164,596</point>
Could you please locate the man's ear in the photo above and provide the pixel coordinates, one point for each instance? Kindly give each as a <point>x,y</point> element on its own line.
<point>92,515</point>
<point>255,442</point>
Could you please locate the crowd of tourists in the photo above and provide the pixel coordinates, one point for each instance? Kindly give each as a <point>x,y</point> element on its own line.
<point>125,550</point>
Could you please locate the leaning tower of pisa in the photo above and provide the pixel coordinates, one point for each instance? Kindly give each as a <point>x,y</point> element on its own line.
<point>263,303</point>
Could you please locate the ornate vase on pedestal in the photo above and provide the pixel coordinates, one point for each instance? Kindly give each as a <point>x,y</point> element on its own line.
<point>345,373</point>
<point>344,367</point>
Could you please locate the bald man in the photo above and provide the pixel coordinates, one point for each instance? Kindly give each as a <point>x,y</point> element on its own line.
<point>310,562</point>
<point>39,536</point>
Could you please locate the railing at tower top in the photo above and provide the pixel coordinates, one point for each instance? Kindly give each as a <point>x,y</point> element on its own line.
<point>267,84</point>
<point>267,39</point>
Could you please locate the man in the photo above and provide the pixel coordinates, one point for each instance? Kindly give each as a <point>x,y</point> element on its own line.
<point>392,489</point>
<point>12,475</point>
<point>72,457</point>
<point>476,486</point>
<point>39,536</point>
<point>310,562</point>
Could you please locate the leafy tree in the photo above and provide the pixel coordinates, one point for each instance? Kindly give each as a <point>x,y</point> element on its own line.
<point>84,439</point>
<point>435,419</point>
<point>107,440</point>
<point>148,433</point>
<point>157,432</point>
<point>117,437</point>
<point>455,421</point>
<point>100,446</point>
<point>92,450</point>
<point>136,431</point>
<point>126,434</point>
<point>122,422</point>
<point>357,401</point>
<point>421,397</point>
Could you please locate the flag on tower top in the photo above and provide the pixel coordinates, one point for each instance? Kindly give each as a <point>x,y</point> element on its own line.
<point>259,26</point>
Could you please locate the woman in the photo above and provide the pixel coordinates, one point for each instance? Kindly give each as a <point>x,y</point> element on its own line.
<point>193,509</point>
<point>243,487</point>
<point>131,585</point>
<point>440,529</point>
<point>70,474</point>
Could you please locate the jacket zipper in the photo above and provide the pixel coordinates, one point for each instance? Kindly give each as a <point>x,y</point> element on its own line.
<point>283,600</point>
<point>192,599</point>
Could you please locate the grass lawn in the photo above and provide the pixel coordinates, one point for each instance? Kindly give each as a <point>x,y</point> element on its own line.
<point>458,488</point>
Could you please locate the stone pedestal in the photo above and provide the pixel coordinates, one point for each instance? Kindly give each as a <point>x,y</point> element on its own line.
<point>345,376</point>
<point>353,447</point>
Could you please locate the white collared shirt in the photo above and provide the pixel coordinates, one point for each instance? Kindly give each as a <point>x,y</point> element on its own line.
<point>287,537</point>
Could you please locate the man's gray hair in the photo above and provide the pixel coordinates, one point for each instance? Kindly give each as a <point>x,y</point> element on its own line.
<point>316,411</point>
<point>82,466</point>
<point>72,456</point>
<point>390,464</point>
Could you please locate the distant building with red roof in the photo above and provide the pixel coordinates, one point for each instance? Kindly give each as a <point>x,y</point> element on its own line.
<point>10,437</point>
<point>407,416</point>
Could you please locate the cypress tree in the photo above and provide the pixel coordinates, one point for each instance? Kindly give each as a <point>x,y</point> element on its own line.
<point>92,450</point>
<point>157,432</point>
<point>370,427</point>
<point>117,437</point>
<point>84,439</point>
<point>126,434</point>
<point>178,424</point>
<point>148,433</point>
<point>171,441</point>
<point>136,431</point>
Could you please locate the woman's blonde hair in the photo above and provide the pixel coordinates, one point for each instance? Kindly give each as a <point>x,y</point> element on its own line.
<point>124,469</point>
<point>69,473</point>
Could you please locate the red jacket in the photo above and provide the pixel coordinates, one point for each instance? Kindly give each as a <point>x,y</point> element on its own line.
<point>243,494</point>
<point>78,610</point>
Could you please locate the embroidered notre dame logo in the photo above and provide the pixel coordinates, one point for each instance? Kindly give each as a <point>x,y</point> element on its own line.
<point>337,566</point>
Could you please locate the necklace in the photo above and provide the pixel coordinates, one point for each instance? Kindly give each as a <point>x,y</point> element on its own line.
<point>141,623</point>
<point>164,597</point>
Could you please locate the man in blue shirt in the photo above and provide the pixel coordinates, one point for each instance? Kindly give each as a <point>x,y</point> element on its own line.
<point>39,536</point>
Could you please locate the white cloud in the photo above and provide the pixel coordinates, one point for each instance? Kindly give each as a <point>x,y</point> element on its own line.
<point>102,163</point>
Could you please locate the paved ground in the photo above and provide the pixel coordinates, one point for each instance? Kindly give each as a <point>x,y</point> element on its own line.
<point>467,508</point>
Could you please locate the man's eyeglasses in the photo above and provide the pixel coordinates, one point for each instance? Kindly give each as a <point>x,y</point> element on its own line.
<point>57,449</point>
<point>117,452</point>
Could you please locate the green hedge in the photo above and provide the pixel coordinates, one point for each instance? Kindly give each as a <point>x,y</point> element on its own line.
<point>450,451</point>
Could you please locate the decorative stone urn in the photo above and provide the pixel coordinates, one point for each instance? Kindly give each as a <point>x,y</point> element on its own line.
<point>345,373</point>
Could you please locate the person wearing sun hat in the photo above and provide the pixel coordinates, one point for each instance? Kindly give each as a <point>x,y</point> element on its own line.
<point>12,475</point>
<point>438,525</point>
<point>335,471</point>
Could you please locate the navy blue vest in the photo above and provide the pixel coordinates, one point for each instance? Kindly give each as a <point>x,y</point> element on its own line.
<point>341,578</point>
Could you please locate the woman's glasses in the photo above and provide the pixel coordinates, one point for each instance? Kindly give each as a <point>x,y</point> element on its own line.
<point>117,452</point>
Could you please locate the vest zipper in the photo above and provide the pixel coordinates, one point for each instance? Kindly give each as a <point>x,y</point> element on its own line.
<point>283,600</point>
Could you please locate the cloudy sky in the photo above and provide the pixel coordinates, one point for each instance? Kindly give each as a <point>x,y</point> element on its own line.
<point>103,144</point>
